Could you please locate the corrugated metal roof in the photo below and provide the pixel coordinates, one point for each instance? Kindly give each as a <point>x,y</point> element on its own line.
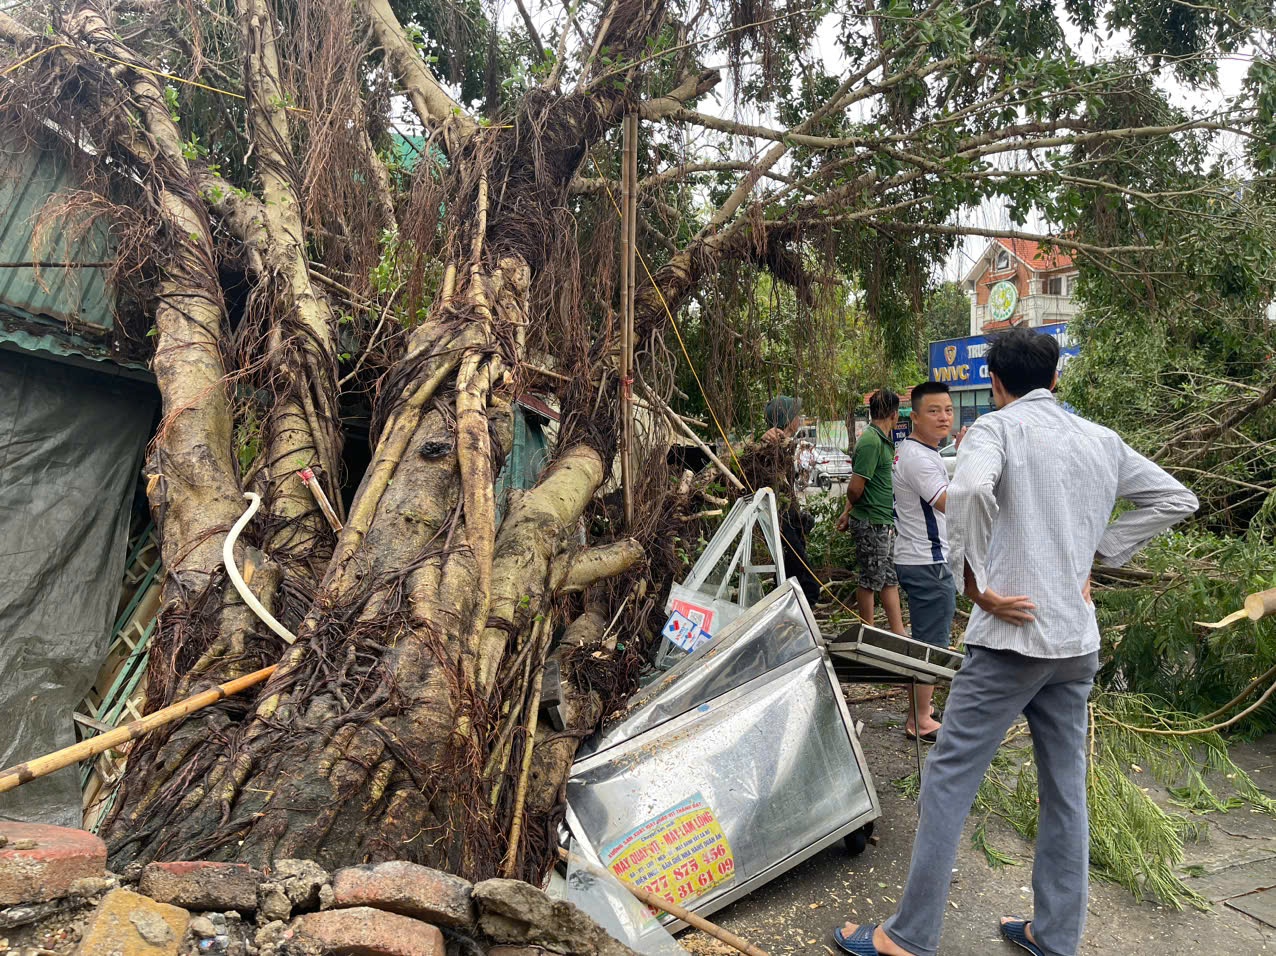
<point>25,335</point>
<point>59,296</point>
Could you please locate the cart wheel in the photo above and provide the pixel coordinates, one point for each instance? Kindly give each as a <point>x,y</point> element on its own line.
<point>857,840</point>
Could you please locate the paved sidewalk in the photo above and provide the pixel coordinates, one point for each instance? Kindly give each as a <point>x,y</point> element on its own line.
<point>796,913</point>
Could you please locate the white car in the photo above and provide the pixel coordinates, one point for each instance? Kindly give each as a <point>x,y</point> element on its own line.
<point>949,454</point>
<point>831,464</point>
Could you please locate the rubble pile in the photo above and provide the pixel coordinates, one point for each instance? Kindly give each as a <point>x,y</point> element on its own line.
<point>58,899</point>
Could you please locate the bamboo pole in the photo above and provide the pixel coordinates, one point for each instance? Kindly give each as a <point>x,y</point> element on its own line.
<point>543,637</point>
<point>628,245</point>
<point>673,909</point>
<point>42,766</point>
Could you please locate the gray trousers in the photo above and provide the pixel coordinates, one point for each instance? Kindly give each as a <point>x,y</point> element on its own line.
<point>989,692</point>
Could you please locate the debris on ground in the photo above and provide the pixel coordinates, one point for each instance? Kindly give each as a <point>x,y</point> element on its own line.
<point>63,902</point>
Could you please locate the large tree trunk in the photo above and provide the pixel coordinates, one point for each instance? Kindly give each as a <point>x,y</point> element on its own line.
<point>402,722</point>
<point>398,724</point>
<point>377,738</point>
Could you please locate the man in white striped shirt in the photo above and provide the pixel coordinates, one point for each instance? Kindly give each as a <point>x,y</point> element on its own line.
<point>1029,510</point>
<point>921,543</point>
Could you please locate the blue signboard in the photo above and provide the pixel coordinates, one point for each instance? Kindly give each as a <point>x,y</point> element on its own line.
<point>963,363</point>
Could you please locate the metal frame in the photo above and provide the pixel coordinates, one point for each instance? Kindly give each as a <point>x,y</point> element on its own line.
<point>684,723</point>
<point>739,522</point>
<point>731,633</point>
<point>759,509</point>
<point>926,662</point>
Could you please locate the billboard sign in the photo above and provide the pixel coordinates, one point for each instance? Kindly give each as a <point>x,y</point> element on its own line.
<point>963,363</point>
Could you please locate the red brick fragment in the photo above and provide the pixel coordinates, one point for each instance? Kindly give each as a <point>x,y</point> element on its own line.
<point>406,888</point>
<point>39,863</point>
<point>203,885</point>
<point>364,931</point>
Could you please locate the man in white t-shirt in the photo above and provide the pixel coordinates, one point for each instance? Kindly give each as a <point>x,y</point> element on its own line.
<point>921,543</point>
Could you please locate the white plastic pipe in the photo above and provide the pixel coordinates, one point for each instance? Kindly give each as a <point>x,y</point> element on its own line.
<point>228,556</point>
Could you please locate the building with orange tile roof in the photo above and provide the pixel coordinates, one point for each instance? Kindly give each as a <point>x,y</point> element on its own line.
<point>1019,282</point>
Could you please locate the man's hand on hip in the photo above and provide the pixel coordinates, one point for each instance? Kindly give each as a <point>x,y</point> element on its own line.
<point>1015,610</point>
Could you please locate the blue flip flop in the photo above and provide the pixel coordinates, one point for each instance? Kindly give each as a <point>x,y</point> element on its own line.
<point>1016,931</point>
<point>859,943</point>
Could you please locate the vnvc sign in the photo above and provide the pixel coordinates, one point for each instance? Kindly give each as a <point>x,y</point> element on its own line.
<point>963,363</point>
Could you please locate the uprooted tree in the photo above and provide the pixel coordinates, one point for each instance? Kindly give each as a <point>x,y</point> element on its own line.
<point>293,256</point>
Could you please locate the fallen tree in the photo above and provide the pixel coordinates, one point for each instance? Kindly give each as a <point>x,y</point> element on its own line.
<point>294,267</point>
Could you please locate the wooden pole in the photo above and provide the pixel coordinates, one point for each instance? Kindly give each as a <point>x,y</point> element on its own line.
<point>628,246</point>
<point>673,909</point>
<point>633,286</point>
<point>42,766</point>
<point>542,635</point>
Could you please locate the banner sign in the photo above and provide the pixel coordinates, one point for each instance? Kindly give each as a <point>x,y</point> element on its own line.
<point>701,617</point>
<point>963,363</point>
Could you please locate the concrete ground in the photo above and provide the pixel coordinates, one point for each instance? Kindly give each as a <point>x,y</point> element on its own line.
<point>797,912</point>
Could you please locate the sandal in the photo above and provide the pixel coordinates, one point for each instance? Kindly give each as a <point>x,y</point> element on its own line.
<point>859,943</point>
<point>1016,931</point>
<point>929,738</point>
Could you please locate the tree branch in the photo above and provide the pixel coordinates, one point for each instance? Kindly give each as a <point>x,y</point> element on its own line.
<point>531,30</point>
<point>593,185</point>
<point>303,422</point>
<point>14,32</point>
<point>688,91</point>
<point>1063,242</point>
<point>435,107</point>
<point>598,563</point>
<point>1208,433</point>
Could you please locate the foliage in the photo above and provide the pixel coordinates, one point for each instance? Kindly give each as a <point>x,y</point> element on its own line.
<point>947,315</point>
<point>826,546</point>
<point>1161,673</point>
<point>758,339</point>
<point>1164,383</point>
<point>1136,840</point>
<point>1156,649</point>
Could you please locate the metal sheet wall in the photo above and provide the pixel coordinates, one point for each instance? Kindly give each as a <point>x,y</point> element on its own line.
<point>31,178</point>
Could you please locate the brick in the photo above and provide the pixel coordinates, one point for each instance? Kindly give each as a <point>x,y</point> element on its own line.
<point>39,863</point>
<point>129,924</point>
<point>408,889</point>
<point>364,931</point>
<point>201,885</point>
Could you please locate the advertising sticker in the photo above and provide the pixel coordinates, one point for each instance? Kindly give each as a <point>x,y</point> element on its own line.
<point>679,854</point>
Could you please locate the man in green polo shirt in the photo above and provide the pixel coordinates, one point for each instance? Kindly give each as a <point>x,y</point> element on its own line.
<point>870,511</point>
